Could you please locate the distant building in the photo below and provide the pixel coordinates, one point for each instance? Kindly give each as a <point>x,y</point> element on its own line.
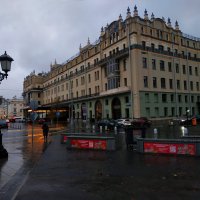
<point>11,107</point>
<point>138,67</point>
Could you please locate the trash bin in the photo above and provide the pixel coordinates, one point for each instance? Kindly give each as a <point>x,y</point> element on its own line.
<point>194,121</point>
<point>129,137</point>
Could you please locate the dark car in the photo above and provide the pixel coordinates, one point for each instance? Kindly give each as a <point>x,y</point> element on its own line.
<point>43,120</point>
<point>109,123</point>
<point>142,122</point>
<point>3,123</point>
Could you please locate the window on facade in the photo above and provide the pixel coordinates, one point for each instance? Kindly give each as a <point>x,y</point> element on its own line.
<point>162,83</point>
<point>160,47</point>
<point>89,78</point>
<point>145,79</point>
<point>156,98</point>
<point>171,83</point>
<point>184,69</point>
<point>177,68</point>
<point>126,99</point>
<point>152,46</point>
<point>197,86</point>
<point>144,61</point>
<point>106,102</point>
<point>191,85</point>
<point>178,84</point>
<point>179,98</point>
<point>192,99</point>
<point>154,82</point>
<point>185,85</point>
<point>196,71</point>
<point>124,64</point>
<point>186,98</point>
<point>162,65</point>
<point>164,98</point>
<point>125,81</point>
<point>90,91</point>
<point>190,70</point>
<point>146,97</point>
<point>143,44</point>
<point>172,98</point>
<point>165,111</point>
<point>169,66</point>
<point>106,86</point>
<point>76,82</point>
<point>154,64</point>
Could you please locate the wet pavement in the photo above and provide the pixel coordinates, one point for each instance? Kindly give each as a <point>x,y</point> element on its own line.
<point>78,174</point>
<point>38,171</point>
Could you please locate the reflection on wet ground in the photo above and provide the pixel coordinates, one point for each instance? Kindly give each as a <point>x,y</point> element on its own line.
<point>22,151</point>
<point>25,152</point>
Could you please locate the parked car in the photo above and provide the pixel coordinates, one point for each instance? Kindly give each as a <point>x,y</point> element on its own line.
<point>3,123</point>
<point>141,122</point>
<point>110,123</point>
<point>184,120</point>
<point>123,122</point>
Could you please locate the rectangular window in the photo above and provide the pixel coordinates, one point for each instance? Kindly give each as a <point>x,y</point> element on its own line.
<point>154,82</point>
<point>156,98</point>
<point>171,83</point>
<point>197,86</point>
<point>190,70</point>
<point>162,65</point>
<point>184,69</point>
<point>154,64</point>
<point>89,78</point>
<point>191,85</point>
<point>145,81</point>
<point>162,83</point>
<point>125,82</point>
<point>164,98</point>
<point>178,84</point>
<point>124,64</point>
<point>196,71</point>
<point>185,85</point>
<point>144,61</point>
<point>172,97</point>
<point>147,97</point>
<point>186,98</point>
<point>179,98</point>
<point>177,68</point>
<point>169,66</point>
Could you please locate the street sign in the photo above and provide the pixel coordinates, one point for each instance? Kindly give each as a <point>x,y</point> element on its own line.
<point>33,116</point>
<point>34,104</point>
<point>57,114</point>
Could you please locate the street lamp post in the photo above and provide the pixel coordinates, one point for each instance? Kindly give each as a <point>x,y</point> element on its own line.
<point>6,67</point>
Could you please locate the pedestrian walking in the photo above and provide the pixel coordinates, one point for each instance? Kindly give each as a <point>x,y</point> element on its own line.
<point>45,131</point>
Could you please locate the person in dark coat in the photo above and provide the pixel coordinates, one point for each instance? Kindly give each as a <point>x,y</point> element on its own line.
<point>45,131</point>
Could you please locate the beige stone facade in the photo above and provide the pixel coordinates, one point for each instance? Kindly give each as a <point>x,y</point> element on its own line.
<point>140,66</point>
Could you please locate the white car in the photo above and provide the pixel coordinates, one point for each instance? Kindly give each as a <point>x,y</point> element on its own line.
<point>123,122</point>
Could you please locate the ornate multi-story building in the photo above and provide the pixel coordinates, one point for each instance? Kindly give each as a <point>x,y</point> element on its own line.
<point>138,67</point>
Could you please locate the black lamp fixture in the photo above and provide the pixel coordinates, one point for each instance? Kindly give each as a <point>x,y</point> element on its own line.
<point>5,65</point>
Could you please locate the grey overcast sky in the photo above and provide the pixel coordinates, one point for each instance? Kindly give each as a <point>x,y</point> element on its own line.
<point>36,32</point>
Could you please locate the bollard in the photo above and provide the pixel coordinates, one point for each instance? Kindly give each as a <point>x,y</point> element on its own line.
<point>100,129</point>
<point>106,128</point>
<point>155,131</point>
<point>93,128</point>
<point>184,131</point>
<point>115,129</point>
